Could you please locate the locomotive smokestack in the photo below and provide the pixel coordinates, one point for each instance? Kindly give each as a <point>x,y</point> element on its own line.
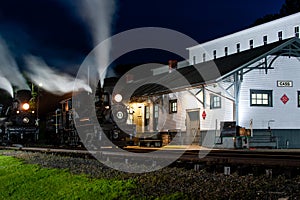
<point>23,95</point>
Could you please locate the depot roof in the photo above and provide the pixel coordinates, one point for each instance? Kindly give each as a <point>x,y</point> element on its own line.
<point>215,70</point>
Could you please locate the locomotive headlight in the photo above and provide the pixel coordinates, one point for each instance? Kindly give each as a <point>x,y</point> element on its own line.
<point>26,120</point>
<point>118,98</point>
<point>25,106</point>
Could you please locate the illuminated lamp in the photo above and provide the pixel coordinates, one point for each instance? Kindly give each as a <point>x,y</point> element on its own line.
<point>118,98</point>
<point>25,106</point>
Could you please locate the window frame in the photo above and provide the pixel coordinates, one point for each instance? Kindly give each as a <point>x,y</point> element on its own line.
<point>238,47</point>
<point>251,44</point>
<point>173,106</point>
<point>194,60</point>
<point>261,92</point>
<point>147,117</point>
<point>155,116</point>
<point>226,51</point>
<point>212,101</point>
<point>298,98</point>
<point>215,54</point>
<point>265,39</point>
<point>280,35</point>
<point>296,31</point>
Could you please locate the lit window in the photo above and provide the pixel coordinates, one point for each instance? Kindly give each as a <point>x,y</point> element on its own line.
<point>226,51</point>
<point>297,31</point>
<point>265,40</point>
<point>215,101</point>
<point>147,112</point>
<point>238,47</point>
<point>261,98</point>
<point>147,117</point>
<point>280,35</point>
<point>251,44</point>
<point>204,57</point>
<point>215,54</point>
<point>155,113</point>
<point>173,106</point>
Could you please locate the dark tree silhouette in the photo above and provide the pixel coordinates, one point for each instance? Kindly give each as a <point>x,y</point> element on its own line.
<point>288,8</point>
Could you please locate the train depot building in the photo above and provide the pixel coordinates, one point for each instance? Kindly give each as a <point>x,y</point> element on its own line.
<point>238,91</point>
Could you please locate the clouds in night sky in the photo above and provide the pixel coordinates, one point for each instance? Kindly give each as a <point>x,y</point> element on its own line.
<point>58,32</point>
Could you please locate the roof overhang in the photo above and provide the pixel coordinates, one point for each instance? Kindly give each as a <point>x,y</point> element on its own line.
<point>216,70</point>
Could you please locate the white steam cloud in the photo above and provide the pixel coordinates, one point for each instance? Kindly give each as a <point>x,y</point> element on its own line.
<point>52,81</point>
<point>9,69</point>
<point>5,85</point>
<point>99,16</point>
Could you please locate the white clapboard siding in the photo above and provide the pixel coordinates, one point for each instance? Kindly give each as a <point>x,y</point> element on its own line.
<point>285,116</point>
<point>187,101</point>
<point>286,25</point>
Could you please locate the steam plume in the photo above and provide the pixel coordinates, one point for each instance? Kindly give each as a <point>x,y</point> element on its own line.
<point>9,68</point>
<point>52,81</point>
<point>5,84</point>
<point>99,16</point>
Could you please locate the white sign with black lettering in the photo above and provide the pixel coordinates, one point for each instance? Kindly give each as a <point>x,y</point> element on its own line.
<point>284,83</point>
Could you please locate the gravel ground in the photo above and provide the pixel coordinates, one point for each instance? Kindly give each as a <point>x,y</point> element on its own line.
<point>192,184</point>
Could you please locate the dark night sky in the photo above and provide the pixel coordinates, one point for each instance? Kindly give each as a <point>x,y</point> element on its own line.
<point>201,20</point>
<point>53,30</point>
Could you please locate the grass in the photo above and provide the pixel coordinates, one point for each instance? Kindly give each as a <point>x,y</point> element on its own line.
<point>24,181</point>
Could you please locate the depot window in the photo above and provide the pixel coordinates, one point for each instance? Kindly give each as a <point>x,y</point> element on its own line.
<point>251,42</point>
<point>226,51</point>
<point>215,54</point>
<point>265,40</point>
<point>261,98</point>
<point>173,106</point>
<point>238,47</point>
<point>215,101</point>
<point>297,31</point>
<point>299,99</point>
<point>280,35</point>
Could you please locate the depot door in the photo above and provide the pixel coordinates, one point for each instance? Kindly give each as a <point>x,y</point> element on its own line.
<point>193,126</point>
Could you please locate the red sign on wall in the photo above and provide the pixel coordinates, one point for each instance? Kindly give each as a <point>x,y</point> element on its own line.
<point>284,99</point>
<point>204,114</point>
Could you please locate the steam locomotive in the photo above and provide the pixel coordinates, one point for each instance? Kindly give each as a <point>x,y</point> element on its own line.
<point>18,121</point>
<point>62,124</point>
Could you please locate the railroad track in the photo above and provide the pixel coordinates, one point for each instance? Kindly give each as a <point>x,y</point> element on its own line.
<point>272,158</point>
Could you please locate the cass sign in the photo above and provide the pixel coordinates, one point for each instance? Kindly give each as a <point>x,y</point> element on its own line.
<point>284,83</point>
